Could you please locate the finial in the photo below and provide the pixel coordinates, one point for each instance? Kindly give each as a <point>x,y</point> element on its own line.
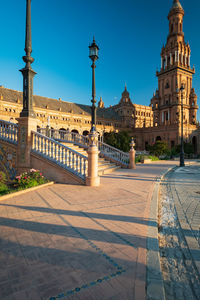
<point>28,43</point>
<point>93,39</point>
<point>125,87</point>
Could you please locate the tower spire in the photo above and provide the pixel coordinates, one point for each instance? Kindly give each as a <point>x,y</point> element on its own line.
<point>27,72</point>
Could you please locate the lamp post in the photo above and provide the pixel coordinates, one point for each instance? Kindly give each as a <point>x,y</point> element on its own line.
<point>93,55</point>
<point>182,164</point>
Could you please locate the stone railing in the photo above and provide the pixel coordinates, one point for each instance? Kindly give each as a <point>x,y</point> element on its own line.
<point>64,136</point>
<point>8,131</point>
<point>141,153</point>
<point>114,154</point>
<point>60,154</point>
<point>107,151</point>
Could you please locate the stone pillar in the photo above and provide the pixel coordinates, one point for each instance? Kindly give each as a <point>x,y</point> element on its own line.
<point>170,59</point>
<point>26,126</point>
<point>93,153</point>
<point>132,155</point>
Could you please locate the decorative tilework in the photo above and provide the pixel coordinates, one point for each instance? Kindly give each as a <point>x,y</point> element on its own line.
<point>8,161</point>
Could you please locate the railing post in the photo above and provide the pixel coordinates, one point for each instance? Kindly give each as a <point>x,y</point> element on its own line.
<point>93,179</point>
<point>132,155</point>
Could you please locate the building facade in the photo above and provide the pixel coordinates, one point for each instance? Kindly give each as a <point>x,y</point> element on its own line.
<point>161,120</point>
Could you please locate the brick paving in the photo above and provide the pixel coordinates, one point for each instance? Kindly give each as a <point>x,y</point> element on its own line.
<point>185,187</point>
<point>77,242</point>
<point>179,233</point>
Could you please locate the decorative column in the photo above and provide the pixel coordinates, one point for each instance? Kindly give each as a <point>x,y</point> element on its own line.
<point>166,61</point>
<point>161,62</point>
<point>93,179</point>
<point>170,59</point>
<point>185,60</point>
<point>182,58</point>
<point>27,121</point>
<point>132,155</point>
<point>175,56</point>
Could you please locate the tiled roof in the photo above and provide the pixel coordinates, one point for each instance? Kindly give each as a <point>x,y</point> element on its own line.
<point>58,105</point>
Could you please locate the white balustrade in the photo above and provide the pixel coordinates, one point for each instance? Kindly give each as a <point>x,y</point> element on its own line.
<point>114,154</point>
<point>60,154</point>
<point>8,131</point>
<point>108,151</point>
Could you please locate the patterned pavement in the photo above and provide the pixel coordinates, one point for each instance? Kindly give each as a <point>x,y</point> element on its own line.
<point>185,187</point>
<point>77,242</point>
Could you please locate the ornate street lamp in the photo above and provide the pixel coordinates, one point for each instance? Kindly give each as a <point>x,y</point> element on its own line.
<point>182,164</point>
<point>93,54</point>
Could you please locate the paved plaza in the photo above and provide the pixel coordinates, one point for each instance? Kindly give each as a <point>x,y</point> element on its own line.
<point>78,242</point>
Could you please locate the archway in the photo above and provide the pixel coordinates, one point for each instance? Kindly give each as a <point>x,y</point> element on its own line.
<point>194,143</point>
<point>158,138</point>
<point>85,132</point>
<point>62,132</point>
<point>75,131</point>
<point>38,128</point>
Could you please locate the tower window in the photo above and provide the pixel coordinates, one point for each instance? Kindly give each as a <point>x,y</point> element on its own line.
<point>167,85</point>
<point>172,27</point>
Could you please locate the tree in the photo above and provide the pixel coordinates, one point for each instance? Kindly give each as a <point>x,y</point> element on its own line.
<point>119,140</point>
<point>159,148</point>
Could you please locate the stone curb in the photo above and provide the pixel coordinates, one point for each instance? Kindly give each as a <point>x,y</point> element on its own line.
<point>8,196</point>
<point>155,286</point>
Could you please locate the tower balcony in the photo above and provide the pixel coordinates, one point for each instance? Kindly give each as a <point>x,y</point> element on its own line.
<point>176,65</point>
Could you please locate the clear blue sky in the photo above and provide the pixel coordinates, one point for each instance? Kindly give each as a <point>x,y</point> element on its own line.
<point>129,33</point>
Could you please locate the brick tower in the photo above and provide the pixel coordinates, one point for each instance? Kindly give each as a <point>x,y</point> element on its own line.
<point>175,71</point>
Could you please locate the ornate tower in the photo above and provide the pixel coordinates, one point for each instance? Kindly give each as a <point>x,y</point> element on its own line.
<point>27,72</point>
<point>175,71</point>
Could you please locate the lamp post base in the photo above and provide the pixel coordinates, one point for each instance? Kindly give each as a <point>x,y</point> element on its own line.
<point>182,163</point>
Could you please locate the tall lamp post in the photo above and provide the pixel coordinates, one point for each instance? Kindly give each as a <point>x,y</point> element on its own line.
<point>93,54</point>
<point>182,164</point>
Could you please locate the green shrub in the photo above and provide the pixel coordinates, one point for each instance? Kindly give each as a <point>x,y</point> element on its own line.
<point>4,189</point>
<point>3,178</point>
<point>153,157</point>
<point>141,157</point>
<point>160,148</point>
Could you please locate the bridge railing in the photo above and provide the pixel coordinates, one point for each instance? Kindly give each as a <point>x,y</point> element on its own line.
<point>107,151</point>
<point>65,136</point>
<point>8,131</point>
<point>114,154</point>
<point>60,154</point>
<point>141,153</point>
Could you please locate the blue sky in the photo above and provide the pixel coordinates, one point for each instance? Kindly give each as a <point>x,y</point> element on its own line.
<point>129,33</point>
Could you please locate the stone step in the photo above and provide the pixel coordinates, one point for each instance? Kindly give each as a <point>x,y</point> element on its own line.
<point>108,170</point>
<point>104,166</point>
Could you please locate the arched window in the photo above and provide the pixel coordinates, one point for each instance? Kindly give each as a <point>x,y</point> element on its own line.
<point>172,27</point>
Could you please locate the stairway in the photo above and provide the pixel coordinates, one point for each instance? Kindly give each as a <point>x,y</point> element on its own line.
<point>104,166</point>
